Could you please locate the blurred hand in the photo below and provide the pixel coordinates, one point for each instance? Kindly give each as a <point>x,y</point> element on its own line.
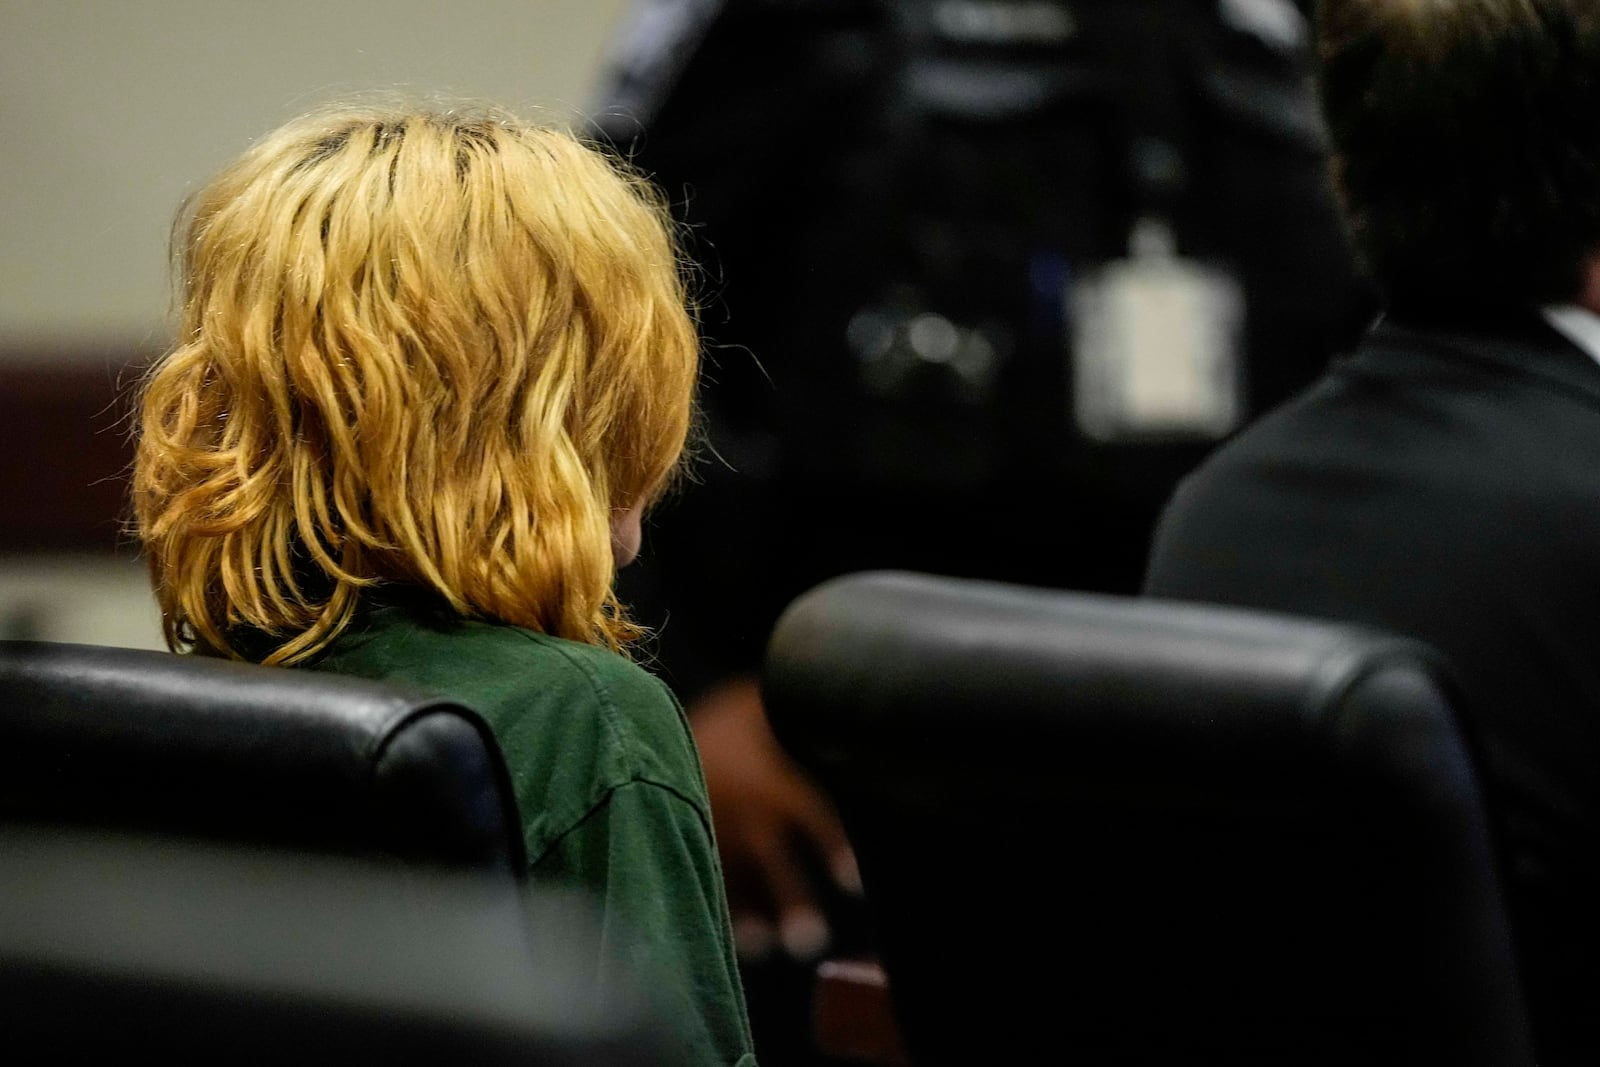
<point>773,826</point>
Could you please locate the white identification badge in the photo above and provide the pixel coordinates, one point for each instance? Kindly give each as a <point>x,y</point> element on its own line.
<point>1155,347</point>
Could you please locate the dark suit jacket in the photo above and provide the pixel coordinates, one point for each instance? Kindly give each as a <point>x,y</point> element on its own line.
<point>1445,483</point>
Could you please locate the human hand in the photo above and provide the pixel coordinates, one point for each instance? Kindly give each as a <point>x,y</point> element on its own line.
<point>773,826</point>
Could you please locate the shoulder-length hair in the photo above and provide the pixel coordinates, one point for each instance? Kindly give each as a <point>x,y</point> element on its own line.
<point>437,348</point>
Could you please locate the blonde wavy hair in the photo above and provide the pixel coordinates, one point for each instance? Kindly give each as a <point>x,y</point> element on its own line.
<point>443,348</point>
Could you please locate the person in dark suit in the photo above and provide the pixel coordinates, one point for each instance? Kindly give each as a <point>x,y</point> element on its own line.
<point>1443,481</point>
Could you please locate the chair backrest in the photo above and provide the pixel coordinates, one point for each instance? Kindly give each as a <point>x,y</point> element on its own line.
<point>1105,830</point>
<point>148,741</point>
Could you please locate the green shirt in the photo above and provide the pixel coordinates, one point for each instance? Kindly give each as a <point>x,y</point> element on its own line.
<point>610,791</point>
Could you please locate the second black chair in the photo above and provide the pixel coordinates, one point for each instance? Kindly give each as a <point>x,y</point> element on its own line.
<point>1111,831</point>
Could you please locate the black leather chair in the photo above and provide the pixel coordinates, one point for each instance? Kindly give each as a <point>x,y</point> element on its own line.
<point>204,861</point>
<point>1112,831</point>
<point>138,740</point>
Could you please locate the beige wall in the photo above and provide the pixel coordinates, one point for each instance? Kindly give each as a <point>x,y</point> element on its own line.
<point>111,110</point>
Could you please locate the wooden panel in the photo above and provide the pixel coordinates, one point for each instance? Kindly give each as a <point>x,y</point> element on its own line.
<point>64,452</point>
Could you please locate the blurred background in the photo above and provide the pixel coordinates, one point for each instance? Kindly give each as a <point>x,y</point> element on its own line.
<point>895,206</point>
<point>111,112</point>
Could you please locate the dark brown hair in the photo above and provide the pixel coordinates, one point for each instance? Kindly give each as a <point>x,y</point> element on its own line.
<point>1468,148</point>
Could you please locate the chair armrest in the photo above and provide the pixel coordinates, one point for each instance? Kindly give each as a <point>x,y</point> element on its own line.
<point>851,1017</point>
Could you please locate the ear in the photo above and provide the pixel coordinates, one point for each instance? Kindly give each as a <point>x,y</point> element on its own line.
<point>626,534</point>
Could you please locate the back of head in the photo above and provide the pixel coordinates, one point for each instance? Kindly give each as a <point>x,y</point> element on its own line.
<point>440,348</point>
<point>1468,154</point>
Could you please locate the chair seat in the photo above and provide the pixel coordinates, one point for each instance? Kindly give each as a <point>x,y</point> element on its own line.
<point>130,947</point>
